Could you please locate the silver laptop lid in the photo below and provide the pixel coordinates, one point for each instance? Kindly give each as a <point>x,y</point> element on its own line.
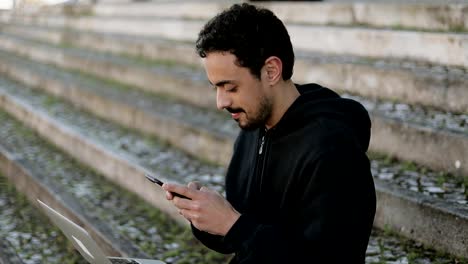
<point>79,237</point>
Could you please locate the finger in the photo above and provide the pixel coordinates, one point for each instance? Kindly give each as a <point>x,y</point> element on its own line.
<point>169,196</point>
<point>181,212</point>
<point>206,189</point>
<point>194,185</point>
<point>187,214</point>
<point>182,203</point>
<point>180,189</point>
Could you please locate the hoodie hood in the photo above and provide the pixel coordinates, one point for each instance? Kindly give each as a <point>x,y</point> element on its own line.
<point>317,101</point>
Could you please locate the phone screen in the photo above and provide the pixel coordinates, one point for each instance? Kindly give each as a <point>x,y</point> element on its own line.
<point>153,179</point>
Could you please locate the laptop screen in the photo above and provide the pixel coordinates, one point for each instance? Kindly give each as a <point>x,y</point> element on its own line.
<point>77,235</point>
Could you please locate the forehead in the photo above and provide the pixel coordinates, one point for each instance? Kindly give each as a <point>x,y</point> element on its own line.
<point>222,66</point>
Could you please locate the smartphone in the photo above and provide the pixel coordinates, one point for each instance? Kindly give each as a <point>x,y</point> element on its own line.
<point>153,179</point>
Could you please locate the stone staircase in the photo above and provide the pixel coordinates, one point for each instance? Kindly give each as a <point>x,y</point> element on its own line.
<point>94,96</point>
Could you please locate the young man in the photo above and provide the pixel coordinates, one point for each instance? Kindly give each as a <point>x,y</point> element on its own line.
<point>299,187</point>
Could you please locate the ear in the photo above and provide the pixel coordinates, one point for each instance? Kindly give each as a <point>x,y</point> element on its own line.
<point>274,69</point>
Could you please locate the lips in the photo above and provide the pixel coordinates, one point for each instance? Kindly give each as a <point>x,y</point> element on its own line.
<point>235,112</point>
<point>235,115</point>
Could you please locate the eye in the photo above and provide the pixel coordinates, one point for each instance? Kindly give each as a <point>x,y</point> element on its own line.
<point>231,89</point>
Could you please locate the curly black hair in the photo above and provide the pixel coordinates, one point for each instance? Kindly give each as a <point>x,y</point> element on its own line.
<point>252,34</point>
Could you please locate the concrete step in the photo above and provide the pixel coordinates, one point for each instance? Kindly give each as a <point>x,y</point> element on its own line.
<point>124,223</point>
<point>200,132</point>
<point>423,217</point>
<point>439,48</point>
<point>438,213</point>
<point>404,81</point>
<point>117,166</point>
<point>36,185</point>
<point>432,16</point>
<point>383,245</point>
<point>149,76</point>
<point>386,248</point>
<point>27,236</point>
<point>117,153</point>
<point>435,138</point>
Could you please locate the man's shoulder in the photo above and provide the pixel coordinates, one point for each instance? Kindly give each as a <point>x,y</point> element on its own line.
<point>323,135</point>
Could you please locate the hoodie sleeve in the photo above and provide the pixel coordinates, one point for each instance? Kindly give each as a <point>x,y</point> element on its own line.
<point>214,242</point>
<point>333,224</point>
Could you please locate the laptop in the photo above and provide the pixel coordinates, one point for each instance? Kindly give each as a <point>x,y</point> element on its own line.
<point>83,242</point>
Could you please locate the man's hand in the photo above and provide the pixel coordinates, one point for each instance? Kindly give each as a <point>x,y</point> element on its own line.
<point>207,210</point>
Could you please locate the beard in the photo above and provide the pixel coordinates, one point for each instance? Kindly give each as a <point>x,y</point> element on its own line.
<point>257,119</point>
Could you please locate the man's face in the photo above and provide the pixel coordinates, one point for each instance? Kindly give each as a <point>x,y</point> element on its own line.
<point>238,91</point>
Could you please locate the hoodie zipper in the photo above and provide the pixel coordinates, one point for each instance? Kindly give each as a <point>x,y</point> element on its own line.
<point>262,143</point>
<point>262,151</point>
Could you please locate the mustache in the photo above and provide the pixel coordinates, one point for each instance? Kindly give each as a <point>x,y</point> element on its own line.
<point>234,110</point>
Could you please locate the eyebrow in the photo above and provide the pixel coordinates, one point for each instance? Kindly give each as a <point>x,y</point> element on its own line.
<point>222,83</point>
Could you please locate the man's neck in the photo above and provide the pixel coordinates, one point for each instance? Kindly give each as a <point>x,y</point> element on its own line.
<point>284,96</point>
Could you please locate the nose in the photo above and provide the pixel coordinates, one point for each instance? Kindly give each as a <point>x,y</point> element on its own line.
<point>222,99</point>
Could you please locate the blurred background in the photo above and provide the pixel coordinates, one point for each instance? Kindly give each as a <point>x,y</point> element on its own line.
<point>93,94</point>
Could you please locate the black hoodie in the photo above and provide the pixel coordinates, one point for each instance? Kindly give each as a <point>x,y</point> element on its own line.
<point>304,187</point>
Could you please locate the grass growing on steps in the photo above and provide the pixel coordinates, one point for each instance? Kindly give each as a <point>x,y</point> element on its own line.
<point>153,231</point>
<point>30,233</point>
<point>416,252</point>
